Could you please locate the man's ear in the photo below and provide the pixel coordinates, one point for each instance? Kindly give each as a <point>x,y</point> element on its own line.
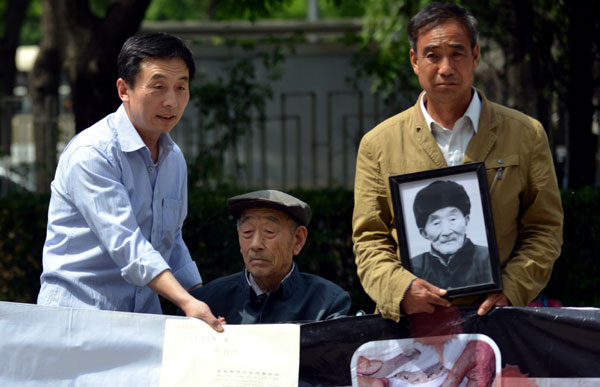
<point>123,90</point>
<point>467,219</point>
<point>299,239</point>
<point>423,233</point>
<point>476,55</point>
<point>414,61</point>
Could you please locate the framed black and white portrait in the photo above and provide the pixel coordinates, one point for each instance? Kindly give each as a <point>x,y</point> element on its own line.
<point>445,228</point>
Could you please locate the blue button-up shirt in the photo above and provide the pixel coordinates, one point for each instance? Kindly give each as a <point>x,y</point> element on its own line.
<point>114,221</point>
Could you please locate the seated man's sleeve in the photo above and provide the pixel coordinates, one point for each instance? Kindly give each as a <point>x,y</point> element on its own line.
<point>339,307</point>
<point>539,237</point>
<point>378,266</point>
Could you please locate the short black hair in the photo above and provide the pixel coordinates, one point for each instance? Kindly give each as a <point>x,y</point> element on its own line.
<point>152,45</point>
<point>437,195</point>
<point>435,14</point>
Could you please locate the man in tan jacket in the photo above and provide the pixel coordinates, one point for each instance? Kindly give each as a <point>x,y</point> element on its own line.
<point>453,123</point>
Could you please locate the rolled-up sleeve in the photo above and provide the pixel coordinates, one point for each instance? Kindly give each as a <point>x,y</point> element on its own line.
<point>339,306</point>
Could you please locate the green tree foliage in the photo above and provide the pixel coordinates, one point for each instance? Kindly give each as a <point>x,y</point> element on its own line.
<point>249,9</point>
<point>213,9</point>
<point>554,46</point>
<point>384,52</point>
<point>82,46</point>
<point>30,29</point>
<point>182,10</point>
<point>12,16</point>
<point>328,9</point>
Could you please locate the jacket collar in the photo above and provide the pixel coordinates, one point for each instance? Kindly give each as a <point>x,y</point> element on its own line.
<point>130,139</point>
<point>424,137</point>
<point>480,145</point>
<point>286,287</point>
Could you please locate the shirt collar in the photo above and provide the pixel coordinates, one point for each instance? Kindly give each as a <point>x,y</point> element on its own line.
<point>130,139</point>
<point>252,282</point>
<point>473,111</point>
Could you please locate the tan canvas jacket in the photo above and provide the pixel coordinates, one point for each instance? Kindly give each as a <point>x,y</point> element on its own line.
<point>526,205</point>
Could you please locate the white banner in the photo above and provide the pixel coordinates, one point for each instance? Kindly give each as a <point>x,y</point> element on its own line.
<point>48,346</point>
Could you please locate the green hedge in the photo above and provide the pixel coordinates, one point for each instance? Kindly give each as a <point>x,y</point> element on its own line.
<point>22,233</point>
<point>211,236</point>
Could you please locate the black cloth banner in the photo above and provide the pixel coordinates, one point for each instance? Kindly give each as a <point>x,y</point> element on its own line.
<point>541,342</point>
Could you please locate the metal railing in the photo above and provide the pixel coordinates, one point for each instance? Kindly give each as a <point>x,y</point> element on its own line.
<point>294,149</point>
<point>284,150</point>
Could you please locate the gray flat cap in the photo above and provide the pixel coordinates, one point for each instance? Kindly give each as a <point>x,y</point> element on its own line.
<point>292,206</point>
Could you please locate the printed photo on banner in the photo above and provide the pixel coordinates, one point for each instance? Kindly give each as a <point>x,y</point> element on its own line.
<point>453,360</point>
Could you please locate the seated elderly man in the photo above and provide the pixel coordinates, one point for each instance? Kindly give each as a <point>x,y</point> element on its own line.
<point>272,230</point>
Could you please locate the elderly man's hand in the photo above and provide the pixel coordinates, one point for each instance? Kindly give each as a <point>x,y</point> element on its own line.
<point>423,297</point>
<point>492,300</point>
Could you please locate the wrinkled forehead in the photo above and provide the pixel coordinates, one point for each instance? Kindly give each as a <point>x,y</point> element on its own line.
<point>264,213</point>
<point>445,212</point>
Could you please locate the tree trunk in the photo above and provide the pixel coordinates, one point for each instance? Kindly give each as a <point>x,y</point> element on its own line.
<point>87,53</point>
<point>43,90</point>
<point>91,50</point>
<point>13,20</point>
<point>582,143</point>
<point>530,36</point>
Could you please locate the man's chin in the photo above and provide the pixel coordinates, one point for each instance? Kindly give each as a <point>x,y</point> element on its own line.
<point>447,250</point>
<point>259,269</point>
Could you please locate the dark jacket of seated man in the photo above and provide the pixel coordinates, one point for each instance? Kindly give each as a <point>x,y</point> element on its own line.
<point>271,231</point>
<point>300,297</point>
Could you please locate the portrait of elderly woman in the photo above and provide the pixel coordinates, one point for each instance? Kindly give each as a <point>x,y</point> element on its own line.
<point>442,212</point>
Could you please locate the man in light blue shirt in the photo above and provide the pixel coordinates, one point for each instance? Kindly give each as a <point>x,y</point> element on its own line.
<point>119,196</point>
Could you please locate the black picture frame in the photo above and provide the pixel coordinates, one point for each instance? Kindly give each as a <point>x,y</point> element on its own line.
<point>470,272</point>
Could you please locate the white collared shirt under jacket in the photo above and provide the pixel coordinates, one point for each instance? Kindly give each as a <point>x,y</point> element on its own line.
<point>453,142</point>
